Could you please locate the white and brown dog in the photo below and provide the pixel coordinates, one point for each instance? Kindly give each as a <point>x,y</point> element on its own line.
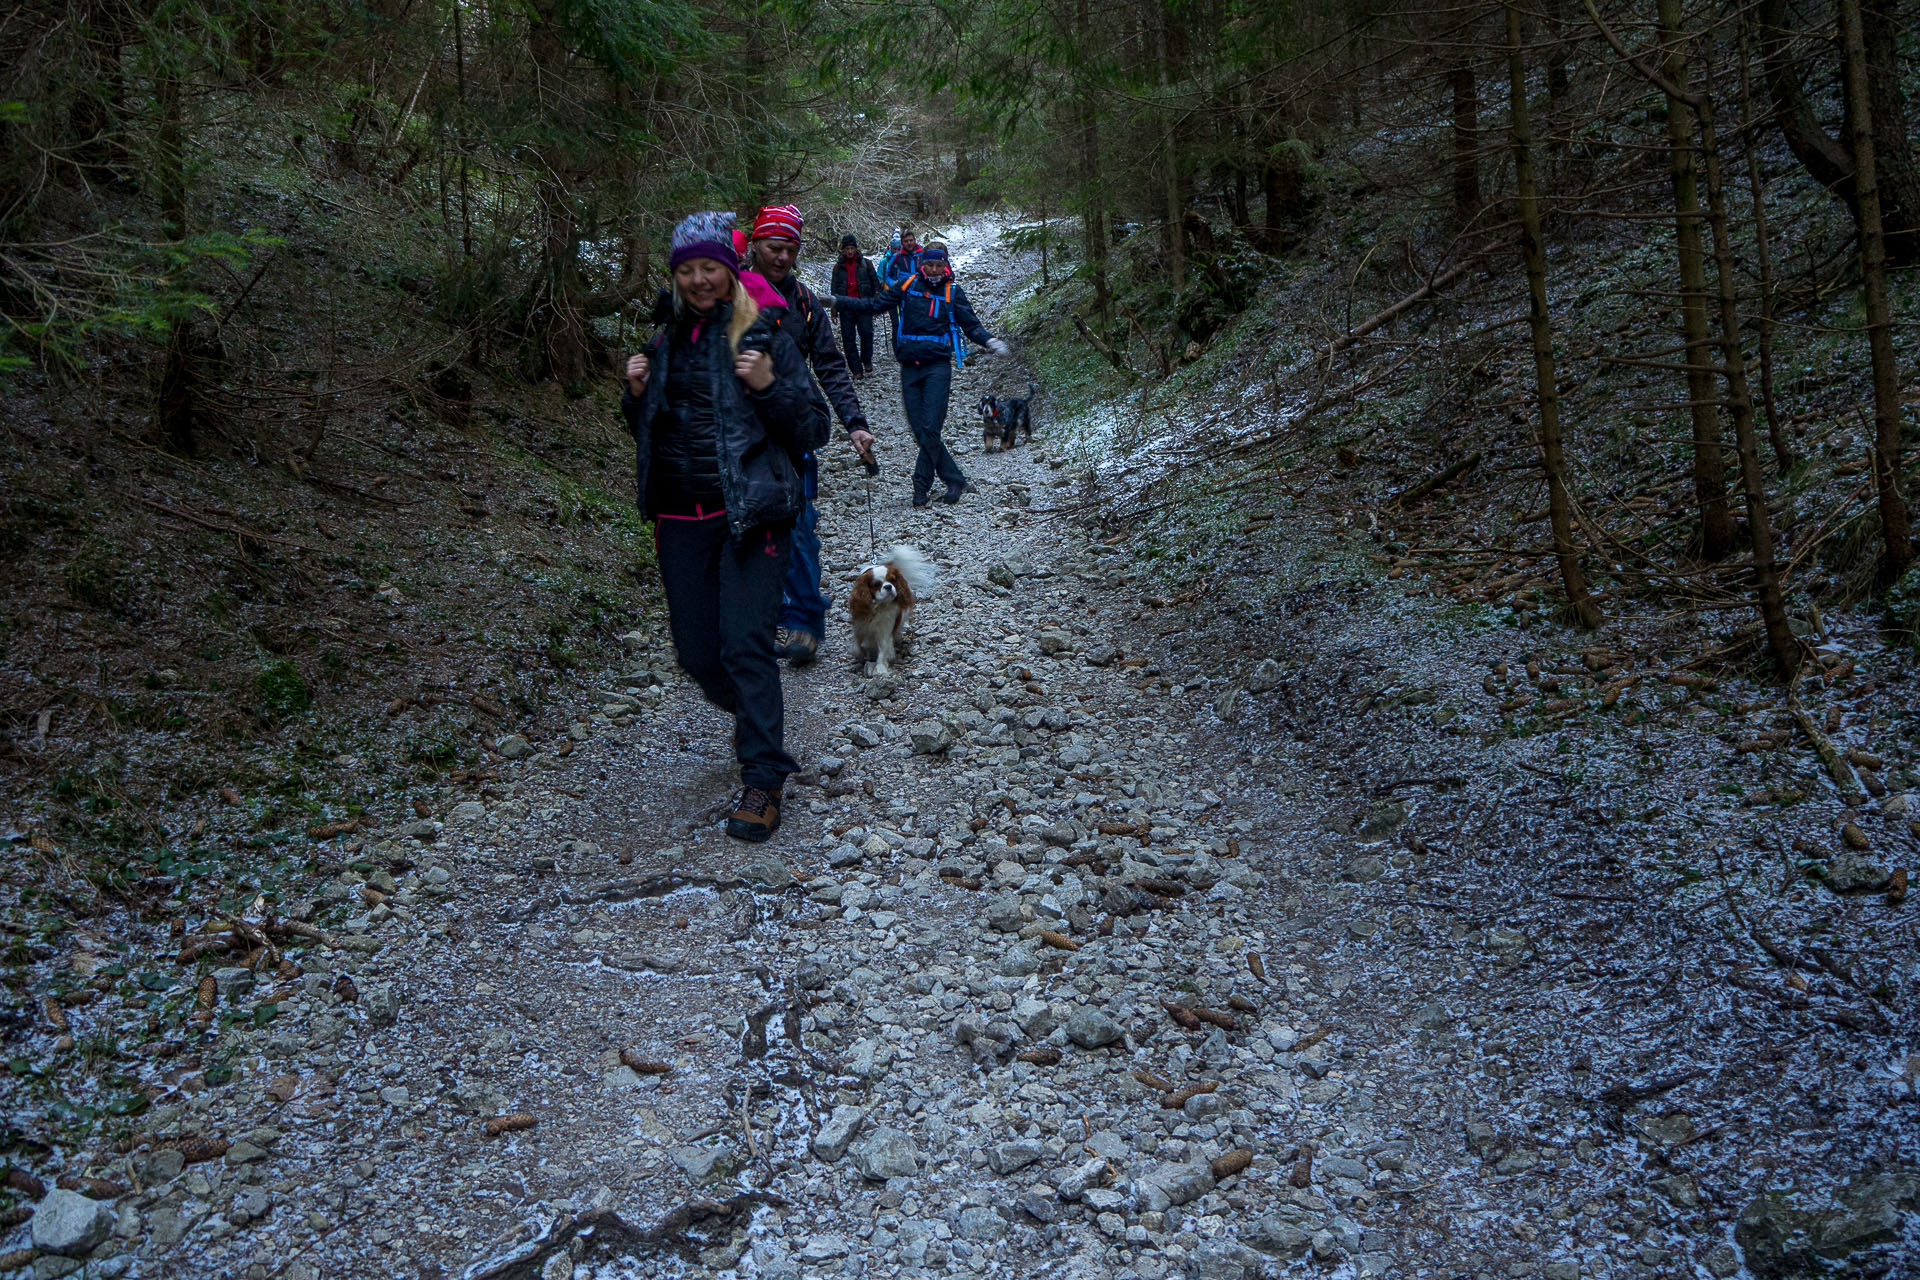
<point>881,602</point>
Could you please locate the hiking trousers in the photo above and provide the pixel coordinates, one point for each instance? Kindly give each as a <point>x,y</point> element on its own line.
<point>803,605</point>
<point>924,387</point>
<point>723,598</point>
<point>856,339</point>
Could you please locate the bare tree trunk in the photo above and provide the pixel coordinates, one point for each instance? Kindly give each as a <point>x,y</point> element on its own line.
<point>1094,216</point>
<point>1894,527</point>
<point>1170,140</point>
<point>1046,236</point>
<point>1768,596</point>
<point>1830,160</point>
<point>1763,246</point>
<point>1466,141</point>
<point>1709,467</point>
<point>558,321</point>
<point>177,401</point>
<point>1533,250</point>
<point>1896,177</point>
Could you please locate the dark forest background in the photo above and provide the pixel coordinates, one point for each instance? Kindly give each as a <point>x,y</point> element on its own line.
<point>308,315</point>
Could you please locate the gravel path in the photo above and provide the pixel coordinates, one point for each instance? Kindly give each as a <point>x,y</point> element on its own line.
<point>1053,971</point>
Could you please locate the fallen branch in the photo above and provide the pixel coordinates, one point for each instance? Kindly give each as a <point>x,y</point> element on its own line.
<point>605,1227</point>
<point>1439,481</point>
<point>1398,309</point>
<point>1113,357</point>
<point>1837,767</point>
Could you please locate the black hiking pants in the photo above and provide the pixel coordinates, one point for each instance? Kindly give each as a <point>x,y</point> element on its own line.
<point>723,599</point>
<point>856,339</point>
<point>924,387</point>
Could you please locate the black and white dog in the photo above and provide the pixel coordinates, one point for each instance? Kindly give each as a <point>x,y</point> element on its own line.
<point>1001,421</point>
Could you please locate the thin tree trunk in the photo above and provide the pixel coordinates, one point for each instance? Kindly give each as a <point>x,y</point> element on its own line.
<point>1896,178</point>
<point>1466,142</point>
<point>1093,217</point>
<point>1763,257</point>
<point>1709,467</point>
<point>1768,596</point>
<point>1894,527</point>
<point>1046,235</point>
<point>1830,160</point>
<point>1175,207</point>
<point>1533,250</point>
<point>170,158</point>
<point>460,82</point>
<point>176,403</point>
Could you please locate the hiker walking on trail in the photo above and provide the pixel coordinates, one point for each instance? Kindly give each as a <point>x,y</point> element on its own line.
<point>933,320</point>
<point>722,411</point>
<point>897,266</point>
<point>902,258</point>
<point>774,247</point>
<point>855,277</point>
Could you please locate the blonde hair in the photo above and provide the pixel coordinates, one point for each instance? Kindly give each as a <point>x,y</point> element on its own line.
<point>745,310</point>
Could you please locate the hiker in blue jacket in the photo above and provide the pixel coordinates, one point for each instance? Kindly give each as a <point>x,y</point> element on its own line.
<point>933,321</point>
<point>901,259</point>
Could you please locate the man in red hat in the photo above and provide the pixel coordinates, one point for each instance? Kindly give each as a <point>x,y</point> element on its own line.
<point>774,248</point>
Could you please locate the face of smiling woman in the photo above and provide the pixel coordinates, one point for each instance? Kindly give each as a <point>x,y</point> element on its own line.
<point>703,282</point>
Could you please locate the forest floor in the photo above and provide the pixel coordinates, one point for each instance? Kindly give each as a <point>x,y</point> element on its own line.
<point>1267,920</point>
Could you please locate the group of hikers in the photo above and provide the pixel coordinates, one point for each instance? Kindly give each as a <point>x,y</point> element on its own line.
<point>728,406</point>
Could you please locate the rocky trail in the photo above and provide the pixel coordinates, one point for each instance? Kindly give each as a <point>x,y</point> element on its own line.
<point>1088,949</point>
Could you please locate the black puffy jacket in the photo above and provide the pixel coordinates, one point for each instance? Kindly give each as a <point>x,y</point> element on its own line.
<point>744,442</point>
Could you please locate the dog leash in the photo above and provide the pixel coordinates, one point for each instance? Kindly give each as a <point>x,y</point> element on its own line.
<point>873,539</point>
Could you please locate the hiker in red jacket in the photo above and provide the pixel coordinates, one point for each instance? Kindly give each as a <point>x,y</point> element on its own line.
<point>855,277</point>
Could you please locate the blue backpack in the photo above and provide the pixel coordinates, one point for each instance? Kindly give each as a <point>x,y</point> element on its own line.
<point>938,305</point>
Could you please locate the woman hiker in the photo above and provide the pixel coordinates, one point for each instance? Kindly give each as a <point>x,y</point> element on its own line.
<point>933,314</point>
<point>721,411</point>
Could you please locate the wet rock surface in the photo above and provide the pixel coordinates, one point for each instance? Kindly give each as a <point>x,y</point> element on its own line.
<point>1095,943</point>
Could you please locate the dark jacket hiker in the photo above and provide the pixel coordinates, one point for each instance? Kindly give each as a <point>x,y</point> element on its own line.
<point>723,413</point>
<point>715,438</point>
<point>933,322</point>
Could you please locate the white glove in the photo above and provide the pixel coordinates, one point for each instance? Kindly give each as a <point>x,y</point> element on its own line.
<point>999,347</point>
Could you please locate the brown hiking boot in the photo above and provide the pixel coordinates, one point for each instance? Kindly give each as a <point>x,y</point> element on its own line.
<point>756,817</point>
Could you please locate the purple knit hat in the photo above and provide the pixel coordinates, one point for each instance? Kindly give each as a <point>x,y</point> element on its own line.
<point>704,235</point>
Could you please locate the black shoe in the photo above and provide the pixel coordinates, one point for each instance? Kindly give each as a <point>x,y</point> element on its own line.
<point>801,648</point>
<point>956,492</point>
<point>756,816</point>
<point>921,499</point>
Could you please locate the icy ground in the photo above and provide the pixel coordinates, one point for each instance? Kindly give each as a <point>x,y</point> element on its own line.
<point>1109,938</point>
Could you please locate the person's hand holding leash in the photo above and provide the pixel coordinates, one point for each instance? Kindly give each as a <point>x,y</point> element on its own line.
<point>755,368</point>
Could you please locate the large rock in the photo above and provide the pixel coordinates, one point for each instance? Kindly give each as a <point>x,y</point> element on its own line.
<point>929,737</point>
<point>382,1003</point>
<point>1090,1028</point>
<point>1224,1259</point>
<point>837,1133</point>
<point>69,1224</point>
<point>1852,873</point>
<point>1286,1236</point>
<point>1008,1157</point>
<point>1167,1185</point>
<point>1266,676</point>
<point>886,1153</point>
<point>1084,1178</point>
<point>1784,1241</point>
<point>513,747</point>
